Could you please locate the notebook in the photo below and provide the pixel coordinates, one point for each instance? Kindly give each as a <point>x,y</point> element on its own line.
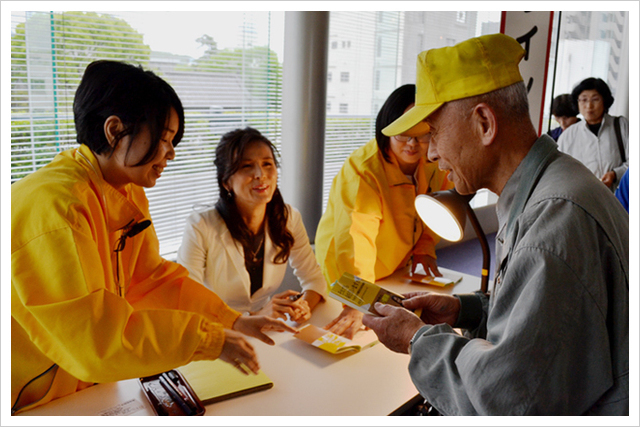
<point>214,380</point>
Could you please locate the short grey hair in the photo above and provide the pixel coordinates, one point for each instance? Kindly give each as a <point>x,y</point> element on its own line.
<point>510,102</point>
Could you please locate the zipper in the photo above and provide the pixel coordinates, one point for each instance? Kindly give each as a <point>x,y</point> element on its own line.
<point>16,408</point>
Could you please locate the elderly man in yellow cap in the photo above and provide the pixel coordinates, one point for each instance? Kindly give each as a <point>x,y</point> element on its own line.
<point>552,336</point>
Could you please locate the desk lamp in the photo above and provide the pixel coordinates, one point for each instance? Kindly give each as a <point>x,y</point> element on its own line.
<point>445,213</point>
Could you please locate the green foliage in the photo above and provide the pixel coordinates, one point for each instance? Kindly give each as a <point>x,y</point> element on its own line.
<point>49,53</point>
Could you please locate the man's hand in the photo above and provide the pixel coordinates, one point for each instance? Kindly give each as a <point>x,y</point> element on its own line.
<point>255,326</point>
<point>395,327</point>
<point>436,308</point>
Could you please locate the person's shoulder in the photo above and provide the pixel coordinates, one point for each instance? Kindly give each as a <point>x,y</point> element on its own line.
<point>204,216</point>
<point>568,180</point>
<point>365,157</point>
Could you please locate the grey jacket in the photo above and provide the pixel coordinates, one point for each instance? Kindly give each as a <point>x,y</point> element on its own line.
<point>553,338</point>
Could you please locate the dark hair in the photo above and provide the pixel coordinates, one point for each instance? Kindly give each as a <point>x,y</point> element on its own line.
<point>139,98</point>
<point>599,86</point>
<point>563,106</point>
<point>229,155</point>
<point>393,108</point>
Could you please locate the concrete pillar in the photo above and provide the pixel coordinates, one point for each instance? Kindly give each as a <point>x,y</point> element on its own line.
<point>303,113</point>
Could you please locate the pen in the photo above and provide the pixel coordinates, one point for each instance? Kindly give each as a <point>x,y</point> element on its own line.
<point>182,390</point>
<point>295,297</point>
<point>172,390</point>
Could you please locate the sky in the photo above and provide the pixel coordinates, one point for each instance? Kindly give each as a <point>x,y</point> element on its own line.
<point>223,27</point>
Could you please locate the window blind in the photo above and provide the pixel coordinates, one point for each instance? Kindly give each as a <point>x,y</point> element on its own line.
<point>222,88</point>
<point>378,51</point>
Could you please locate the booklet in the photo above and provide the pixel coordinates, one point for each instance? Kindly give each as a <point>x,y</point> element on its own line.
<point>362,295</point>
<point>421,276</point>
<point>336,344</point>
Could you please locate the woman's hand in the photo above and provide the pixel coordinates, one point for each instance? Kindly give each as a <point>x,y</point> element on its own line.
<point>238,352</point>
<point>255,326</point>
<point>280,305</point>
<point>429,263</point>
<point>347,323</point>
<point>608,178</point>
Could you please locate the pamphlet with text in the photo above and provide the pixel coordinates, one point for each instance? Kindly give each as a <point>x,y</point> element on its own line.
<point>336,344</point>
<point>362,295</point>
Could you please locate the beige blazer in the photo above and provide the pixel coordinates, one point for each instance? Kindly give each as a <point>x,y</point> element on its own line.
<point>216,260</point>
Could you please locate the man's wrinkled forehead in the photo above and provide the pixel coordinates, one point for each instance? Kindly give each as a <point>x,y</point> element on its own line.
<point>432,119</point>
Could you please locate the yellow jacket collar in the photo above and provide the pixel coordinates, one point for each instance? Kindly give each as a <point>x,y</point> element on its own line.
<point>109,196</point>
<point>395,176</point>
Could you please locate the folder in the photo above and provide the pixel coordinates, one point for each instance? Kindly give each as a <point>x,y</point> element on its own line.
<point>214,380</point>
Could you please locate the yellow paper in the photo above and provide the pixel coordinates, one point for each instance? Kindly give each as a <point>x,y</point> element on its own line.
<point>215,380</point>
<point>336,344</point>
<point>362,295</point>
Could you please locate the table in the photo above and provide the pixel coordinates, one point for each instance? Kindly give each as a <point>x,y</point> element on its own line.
<point>307,380</point>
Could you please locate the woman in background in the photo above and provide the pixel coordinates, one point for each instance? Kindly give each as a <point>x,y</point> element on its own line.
<point>601,141</point>
<point>370,227</point>
<point>92,300</point>
<point>565,112</point>
<point>240,248</point>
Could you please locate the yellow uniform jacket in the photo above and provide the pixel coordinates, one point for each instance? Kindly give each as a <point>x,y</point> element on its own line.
<point>69,326</point>
<point>370,226</point>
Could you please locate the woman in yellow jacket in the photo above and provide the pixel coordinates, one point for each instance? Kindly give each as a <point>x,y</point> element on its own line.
<point>91,298</point>
<point>370,227</point>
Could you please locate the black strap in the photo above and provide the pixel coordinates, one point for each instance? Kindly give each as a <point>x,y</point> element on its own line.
<point>616,125</point>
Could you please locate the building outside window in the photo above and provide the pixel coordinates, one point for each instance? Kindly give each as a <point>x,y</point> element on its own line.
<point>226,79</point>
<point>233,78</point>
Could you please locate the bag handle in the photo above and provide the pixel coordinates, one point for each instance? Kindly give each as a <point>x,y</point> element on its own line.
<point>616,125</point>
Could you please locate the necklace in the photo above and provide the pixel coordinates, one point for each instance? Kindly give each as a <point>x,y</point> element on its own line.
<point>254,252</point>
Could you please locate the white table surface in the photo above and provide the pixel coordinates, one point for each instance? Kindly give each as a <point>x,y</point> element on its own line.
<point>307,380</point>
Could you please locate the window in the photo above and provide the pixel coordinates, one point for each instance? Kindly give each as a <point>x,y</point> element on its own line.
<point>385,46</point>
<point>225,79</point>
<point>328,106</point>
<point>334,45</point>
<point>37,85</point>
<point>329,75</point>
<point>587,47</point>
<point>344,77</point>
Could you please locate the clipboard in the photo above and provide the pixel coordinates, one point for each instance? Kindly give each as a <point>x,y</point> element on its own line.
<point>214,381</point>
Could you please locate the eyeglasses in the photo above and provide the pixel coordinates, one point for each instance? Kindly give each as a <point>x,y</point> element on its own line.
<point>594,100</point>
<point>419,139</point>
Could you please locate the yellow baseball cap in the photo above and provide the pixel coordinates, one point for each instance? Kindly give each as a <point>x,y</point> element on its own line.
<point>472,67</point>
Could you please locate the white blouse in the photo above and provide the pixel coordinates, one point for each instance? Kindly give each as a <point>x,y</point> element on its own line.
<point>216,260</point>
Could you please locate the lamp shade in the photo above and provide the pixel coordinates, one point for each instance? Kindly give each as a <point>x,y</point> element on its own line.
<point>444,212</point>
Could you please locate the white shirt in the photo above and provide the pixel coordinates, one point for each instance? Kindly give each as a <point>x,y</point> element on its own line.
<point>216,260</point>
<point>598,153</point>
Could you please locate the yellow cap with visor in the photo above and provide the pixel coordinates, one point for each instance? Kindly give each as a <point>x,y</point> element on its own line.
<point>473,67</point>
